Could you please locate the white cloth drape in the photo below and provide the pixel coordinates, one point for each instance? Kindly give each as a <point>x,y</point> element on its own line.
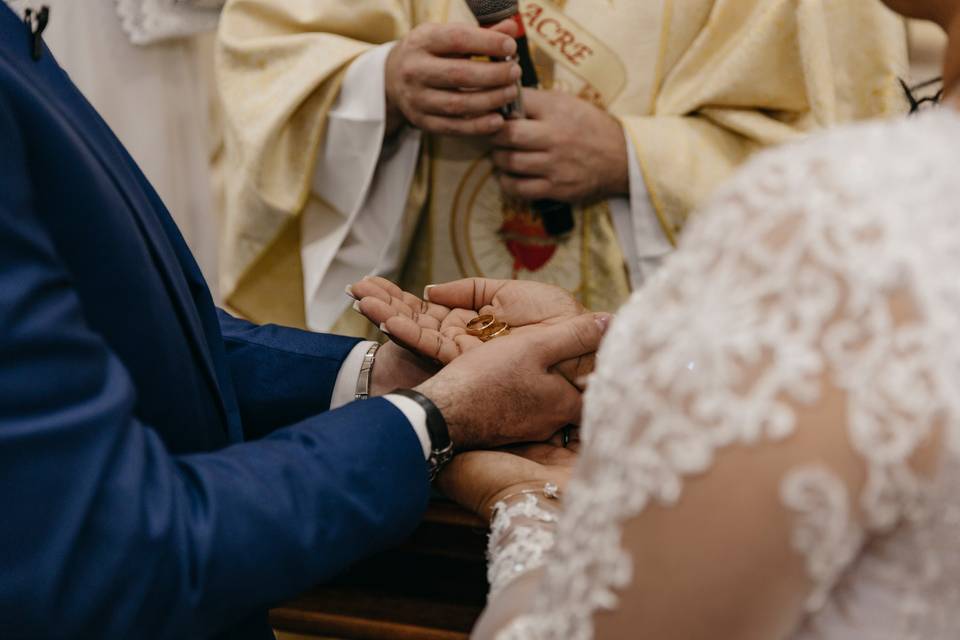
<point>156,98</point>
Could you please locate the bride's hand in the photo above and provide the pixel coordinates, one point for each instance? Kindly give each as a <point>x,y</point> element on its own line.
<point>477,480</point>
<point>437,328</point>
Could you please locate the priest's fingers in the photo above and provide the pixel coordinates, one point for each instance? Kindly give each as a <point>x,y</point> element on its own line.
<point>449,73</point>
<point>523,134</point>
<point>454,103</point>
<point>468,127</point>
<point>527,163</point>
<point>509,27</point>
<point>536,103</point>
<point>468,293</point>
<point>429,343</point>
<point>463,39</point>
<point>524,188</point>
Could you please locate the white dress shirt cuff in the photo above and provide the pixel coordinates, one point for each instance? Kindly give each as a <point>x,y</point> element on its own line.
<point>345,389</point>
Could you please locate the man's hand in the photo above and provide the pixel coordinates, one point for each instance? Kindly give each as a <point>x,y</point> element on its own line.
<point>477,480</point>
<point>398,368</point>
<point>437,329</point>
<point>508,391</point>
<point>432,83</point>
<point>567,150</point>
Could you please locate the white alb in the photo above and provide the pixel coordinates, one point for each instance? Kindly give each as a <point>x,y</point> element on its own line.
<point>782,404</point>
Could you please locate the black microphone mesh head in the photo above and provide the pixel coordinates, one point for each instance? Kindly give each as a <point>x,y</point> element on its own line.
<point>491,11</point>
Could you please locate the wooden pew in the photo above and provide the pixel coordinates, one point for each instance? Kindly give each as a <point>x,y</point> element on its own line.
<point>433,587</point>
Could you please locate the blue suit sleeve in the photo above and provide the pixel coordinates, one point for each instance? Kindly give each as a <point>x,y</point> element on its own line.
<point>281,375</point>
<point>105,533</point>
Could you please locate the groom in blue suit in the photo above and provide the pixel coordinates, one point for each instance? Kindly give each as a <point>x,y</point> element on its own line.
<point>167,470</point>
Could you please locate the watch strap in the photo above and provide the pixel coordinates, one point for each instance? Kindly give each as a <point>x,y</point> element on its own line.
<point>441,447</point>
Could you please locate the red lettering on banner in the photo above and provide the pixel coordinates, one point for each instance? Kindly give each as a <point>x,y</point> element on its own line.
<point>556,35</point>
<point>531,13</point>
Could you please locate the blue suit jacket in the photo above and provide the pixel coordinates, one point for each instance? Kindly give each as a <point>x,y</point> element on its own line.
<point>130,507</point>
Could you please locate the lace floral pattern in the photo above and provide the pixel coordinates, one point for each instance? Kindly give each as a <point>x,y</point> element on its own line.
<point>520,536</point>
<point>149,21</point>
<point>835,260</point>
<point>825,533</point>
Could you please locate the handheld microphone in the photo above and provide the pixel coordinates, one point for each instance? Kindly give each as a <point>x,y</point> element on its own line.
<point>557,216</point>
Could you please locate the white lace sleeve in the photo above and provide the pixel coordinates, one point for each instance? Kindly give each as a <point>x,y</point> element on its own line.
<point>150,21</point>
<point>522,531</point>
<point>766,408</point>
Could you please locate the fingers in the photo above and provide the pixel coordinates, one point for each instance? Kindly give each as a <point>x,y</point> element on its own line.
<point>525,188</point>
<point>444,73</point>
<point>570,339</point>
<point>378,312</point>
<point>469,293</point>
<point>398,300</point>
<point>471,127</point>
<point>536,103</point>
<point>577,370</point>
<point>527,163</point>
<point>377,287</point>
<point>462,39</point>
<point>429,343</point>
<point>458,104</point>
<point>523,135</point>
<point>508,27</point>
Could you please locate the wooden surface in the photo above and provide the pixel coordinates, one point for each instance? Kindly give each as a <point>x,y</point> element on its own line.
<point>431,588</point>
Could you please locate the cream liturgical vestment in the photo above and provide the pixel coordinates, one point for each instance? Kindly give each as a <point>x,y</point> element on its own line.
<point>697,84</point>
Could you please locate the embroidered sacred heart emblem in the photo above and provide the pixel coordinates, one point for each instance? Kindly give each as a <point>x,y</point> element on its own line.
<point>525,238</point>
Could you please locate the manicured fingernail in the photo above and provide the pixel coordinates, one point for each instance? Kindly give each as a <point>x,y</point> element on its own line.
<point>510,92</point>
<point>602,320</point>
<point>515,72</point>
<point>356,306</point>
<point>510,46</point>
<point>349,291</point>
<point>426,291</point>
<point>383,327</point>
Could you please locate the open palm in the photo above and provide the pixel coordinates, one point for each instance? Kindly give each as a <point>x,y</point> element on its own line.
<point>437,328</point>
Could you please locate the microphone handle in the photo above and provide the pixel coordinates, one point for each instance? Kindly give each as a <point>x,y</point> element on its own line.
<point>557,216</point>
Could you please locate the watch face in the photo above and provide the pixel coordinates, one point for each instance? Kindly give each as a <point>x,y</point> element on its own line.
<point>496,237</point>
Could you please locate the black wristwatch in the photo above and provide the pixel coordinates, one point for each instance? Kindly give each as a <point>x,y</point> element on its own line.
<point>441,447</point>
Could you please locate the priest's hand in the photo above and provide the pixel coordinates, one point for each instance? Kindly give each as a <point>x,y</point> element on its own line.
<point>432,83</point>
<point>508,389</point>
<point>437,328</point>
<point>477,480</point>
<point>566,149</point>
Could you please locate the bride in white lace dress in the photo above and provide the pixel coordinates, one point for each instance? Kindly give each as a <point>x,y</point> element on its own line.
<point>771,439</point>
<point>772,435</point>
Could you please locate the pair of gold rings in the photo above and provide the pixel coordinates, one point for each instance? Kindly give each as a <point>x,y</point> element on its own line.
<point>487,327</point>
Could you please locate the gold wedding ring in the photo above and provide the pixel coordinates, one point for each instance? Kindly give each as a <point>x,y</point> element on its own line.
<point>497,330</point>
<point>480,325</point>
<point>487,327</point>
